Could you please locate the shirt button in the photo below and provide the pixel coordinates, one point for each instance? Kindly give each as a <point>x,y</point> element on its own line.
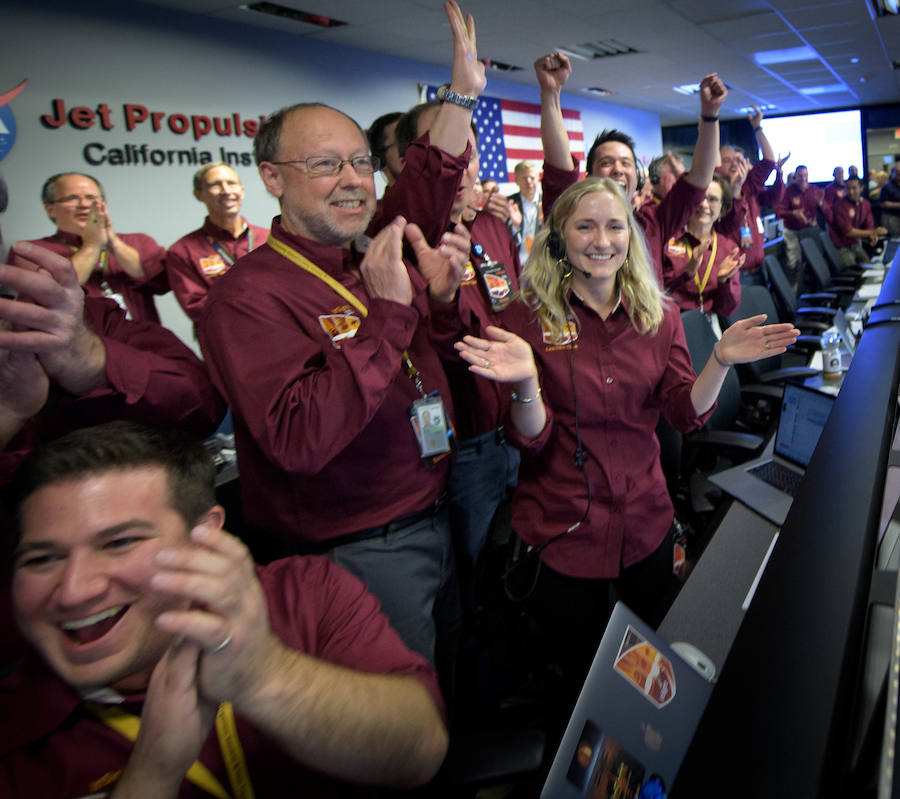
<point>608,380</point>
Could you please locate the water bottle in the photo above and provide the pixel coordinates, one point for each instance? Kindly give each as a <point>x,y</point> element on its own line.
<point>831,354</point>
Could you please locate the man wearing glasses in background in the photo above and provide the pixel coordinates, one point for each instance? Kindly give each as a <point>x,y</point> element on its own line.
<point>127,267</point>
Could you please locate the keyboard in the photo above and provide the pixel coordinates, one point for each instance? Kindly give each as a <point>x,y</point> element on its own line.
<point>778,475</point>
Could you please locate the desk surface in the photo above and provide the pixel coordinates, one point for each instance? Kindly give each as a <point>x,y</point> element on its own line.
<point>707,612</point>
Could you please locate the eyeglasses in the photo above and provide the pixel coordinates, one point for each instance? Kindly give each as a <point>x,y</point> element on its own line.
<point>90,199</point>
<point>326,165</point>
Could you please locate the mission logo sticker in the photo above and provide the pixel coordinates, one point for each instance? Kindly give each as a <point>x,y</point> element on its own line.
<point>213,266</point>
<point>568,336</point>
<point>339,326</point>
<point>644,666</point>
<point>469,275</point>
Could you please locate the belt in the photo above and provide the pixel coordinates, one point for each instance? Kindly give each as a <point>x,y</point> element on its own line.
<point>317,548</point>
<point>478,443</point>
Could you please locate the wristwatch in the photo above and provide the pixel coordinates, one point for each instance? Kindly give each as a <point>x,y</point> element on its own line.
<point>446,95</point>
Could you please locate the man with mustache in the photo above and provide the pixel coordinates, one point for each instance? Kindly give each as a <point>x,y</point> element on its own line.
<point>320,343</point>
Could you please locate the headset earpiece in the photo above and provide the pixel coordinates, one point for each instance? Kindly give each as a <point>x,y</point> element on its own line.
<point>641,175</point>
<point>555,245</point>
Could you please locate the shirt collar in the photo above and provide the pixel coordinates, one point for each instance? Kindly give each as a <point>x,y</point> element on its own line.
<point>217,232</point>
<point>332,260</point>
<point>68,238</point>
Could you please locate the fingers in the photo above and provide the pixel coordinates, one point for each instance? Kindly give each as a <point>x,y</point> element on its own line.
<point>34,258</point>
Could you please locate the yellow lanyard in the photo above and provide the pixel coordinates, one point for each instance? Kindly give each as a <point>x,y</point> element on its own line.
<point>304,263</point>
<point>128,725</point>
<point>709,267</point>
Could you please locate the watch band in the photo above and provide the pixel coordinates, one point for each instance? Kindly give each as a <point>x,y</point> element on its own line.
<point>446,95</point>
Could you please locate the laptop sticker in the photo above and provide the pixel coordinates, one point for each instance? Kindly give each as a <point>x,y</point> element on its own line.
<point>645,668</point>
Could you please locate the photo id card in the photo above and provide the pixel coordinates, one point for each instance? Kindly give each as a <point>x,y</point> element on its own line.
<point>429,423</point>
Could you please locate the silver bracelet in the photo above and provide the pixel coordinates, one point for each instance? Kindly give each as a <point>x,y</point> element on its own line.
<point>719,360</point>
<point>525,400</point>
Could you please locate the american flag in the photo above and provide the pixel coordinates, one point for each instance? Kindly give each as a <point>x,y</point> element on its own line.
<point>509,131</point>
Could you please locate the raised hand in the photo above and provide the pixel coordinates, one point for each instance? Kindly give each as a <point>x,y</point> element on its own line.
<point>467,76</point>
<point>750,340</point>
<point>730,264</point>
<point>227,616</point>
<point>382,267</point>
<point>552,71</point>
<point>515,214</point>
<point>503,356</point>
<point>782,161</point>
<point>496,205</point>
<point>712,95</point>
<point>740,175</point>
<point>175,722</point>
<point>442,267</point>
<point>96,228</point>
<point>48,319</point>
<point>756,117</point>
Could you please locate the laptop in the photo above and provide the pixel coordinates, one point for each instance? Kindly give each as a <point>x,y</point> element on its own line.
<point>635,718</point>
<point>767,484</point>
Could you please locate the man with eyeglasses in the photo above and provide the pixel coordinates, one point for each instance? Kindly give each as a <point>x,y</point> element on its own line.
<point>128,268</point>
<point>196,260</point>
<point>320,343</point>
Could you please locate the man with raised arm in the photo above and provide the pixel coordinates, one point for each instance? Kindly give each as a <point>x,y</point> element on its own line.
<point>612,155</point>
<point>197,259</point>
<point>320,343</point>
<point>164,664</point>
<point>127,267</point>
<point>743,223</point>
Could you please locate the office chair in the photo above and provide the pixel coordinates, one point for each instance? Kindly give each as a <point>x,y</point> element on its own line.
<point>819,276</point>
<point>813,314</point>
<point>833,259</point>
<point>792,365</point>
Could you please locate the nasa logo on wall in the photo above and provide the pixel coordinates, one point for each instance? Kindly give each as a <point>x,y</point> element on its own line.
<point>8,121</point>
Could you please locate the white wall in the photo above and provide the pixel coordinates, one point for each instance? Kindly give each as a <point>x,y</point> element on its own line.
<point>176,63</point>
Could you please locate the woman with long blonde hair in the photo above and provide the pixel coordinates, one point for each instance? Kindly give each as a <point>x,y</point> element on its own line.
<point>593,353</point>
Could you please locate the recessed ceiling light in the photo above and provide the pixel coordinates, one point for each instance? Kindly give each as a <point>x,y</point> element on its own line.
<point>786,56</point>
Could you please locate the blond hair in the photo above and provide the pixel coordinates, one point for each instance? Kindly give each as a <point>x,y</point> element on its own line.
<point>547,276</point>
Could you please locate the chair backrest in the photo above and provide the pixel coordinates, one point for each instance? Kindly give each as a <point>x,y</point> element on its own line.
<point>755,300</point>
<point>818,269</point>
<point>781,288</point>
<point>832,257</point>
<point>700,341</point>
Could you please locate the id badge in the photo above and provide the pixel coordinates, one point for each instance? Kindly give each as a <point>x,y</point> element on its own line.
<point>497,283</point>
<point>429,423</point>
<point>746,237</point>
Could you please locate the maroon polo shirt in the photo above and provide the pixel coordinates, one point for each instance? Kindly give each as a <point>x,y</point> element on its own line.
<point>193,262</point>
<point>847,215</point>
<point>719,297</point>
<point>623,381</point>
<point>745,211</point>
<point>318,393</point>
<point>795,199</point>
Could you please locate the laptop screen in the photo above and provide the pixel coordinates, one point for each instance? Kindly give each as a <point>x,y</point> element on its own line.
<point>804,412</point>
